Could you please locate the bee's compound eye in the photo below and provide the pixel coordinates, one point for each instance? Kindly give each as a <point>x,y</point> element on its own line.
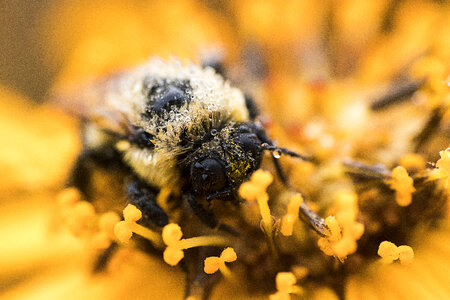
<point>208,175</point>
<point>251,143</point>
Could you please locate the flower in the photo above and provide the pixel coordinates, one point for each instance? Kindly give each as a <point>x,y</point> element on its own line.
<point>322,77</point>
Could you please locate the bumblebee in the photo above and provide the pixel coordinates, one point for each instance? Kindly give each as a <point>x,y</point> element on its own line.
<point>167,124</point>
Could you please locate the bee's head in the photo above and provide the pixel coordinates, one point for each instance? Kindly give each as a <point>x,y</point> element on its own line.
<point>225,161</point>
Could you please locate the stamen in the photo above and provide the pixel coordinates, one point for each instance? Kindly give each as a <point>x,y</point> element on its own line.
<point>389,252</point>
<point>403,186</point>
<point>285,283</point>
<point>405,254</point>
<point>103,238</point>
<point>344,230</point>
<point>288,221</point>
<point>124,229</point>
<point>214,263</point>
<point>80,217</point>
<point>255,189</point>
<point>172,235</point>
<point>68,197</point>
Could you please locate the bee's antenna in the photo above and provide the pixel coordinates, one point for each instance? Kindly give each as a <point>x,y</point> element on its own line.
<point>277,151</point>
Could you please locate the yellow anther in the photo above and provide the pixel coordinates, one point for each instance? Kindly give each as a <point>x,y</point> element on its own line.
<point>403,186</point>
<point>344,230</point>
<point>123,232</point>
<point>107,222</point>
<point>344,247</point>
<point>249,191</point>
<point>262,178</point>
<point>172,234</point>
<point>257,185</point>
<point>173,255</point>
<point>356,230</point>
<point>390,252</point>
<point>280,296</point>
<point>124,229</point>
<point>68,197</point>
<point>212,264</point>
<point>284,281</point>
<point>333,228</point>
<point>83,210</point>
<point>405,254</point>
<point>326,246</point>
<point>101,240</point>
<point>228,255</point>
<point>131,213</point>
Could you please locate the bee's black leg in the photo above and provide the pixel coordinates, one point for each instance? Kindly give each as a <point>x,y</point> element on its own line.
<point>205,216</point>
<point>361,171</point>
<point>80,177</point>
<point>106,158</point>
<point>102,260</point>
<point>80,174</point>
<point>143,197</point>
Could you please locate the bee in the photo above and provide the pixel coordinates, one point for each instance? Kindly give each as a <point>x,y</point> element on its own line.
<point>167,124</point>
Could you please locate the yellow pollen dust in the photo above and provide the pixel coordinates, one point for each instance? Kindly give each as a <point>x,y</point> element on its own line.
<point>389,252</point>
<point>288,221</point>
<point>403,186</point>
